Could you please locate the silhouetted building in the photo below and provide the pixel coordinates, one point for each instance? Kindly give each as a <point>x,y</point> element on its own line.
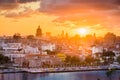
<point>38,32</point>
<point>62,34</point>
<point>66,35</point>
<point>48,34</point>
<point>94,39</point>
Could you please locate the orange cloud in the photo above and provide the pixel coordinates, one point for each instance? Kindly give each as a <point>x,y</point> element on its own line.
<point>56,15</point>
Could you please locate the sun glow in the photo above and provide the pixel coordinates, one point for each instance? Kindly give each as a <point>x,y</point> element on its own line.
<point>83,31</point>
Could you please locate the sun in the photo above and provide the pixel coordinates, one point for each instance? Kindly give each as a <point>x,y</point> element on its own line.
<point>83,31</point>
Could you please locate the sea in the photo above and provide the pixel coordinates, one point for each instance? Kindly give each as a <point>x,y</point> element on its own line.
<point>84,75</point>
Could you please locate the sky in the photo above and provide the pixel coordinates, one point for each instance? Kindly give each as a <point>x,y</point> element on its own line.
<point>24,16</point>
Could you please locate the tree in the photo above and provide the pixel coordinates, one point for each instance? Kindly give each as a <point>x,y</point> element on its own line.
<point>118,59</point>
<point>30,37</point>
<point>16,36</point>
<point>72,60</point>
<point>75,60</point>
<point>109,53</point>
<point>110,38</point>
<point>4,59</point>
<point>89,59</point>
<point>51,52</point>
<point>68,59</point>
<point>108,56</point>
<point>117,39</point>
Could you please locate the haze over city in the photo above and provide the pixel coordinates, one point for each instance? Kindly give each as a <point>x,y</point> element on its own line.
<point>93,16</point>
<point>59,39</point>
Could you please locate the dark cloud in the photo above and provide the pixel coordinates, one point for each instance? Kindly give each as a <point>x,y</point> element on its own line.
<point>11,4</point>
<point>8,6</point>
<point>18,8</point>
<point>67,7</point>
<point>92,1</point>
<point>24,1</point>
<point>14,1</point>
<point>7,1</point>
<point>84,12</point>
<point>55,5</point>
<point>117,2</point>
<point>95,11</point>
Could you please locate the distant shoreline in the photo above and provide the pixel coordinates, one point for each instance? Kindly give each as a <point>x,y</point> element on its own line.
<point>69,71</point>
<point>62,71</point>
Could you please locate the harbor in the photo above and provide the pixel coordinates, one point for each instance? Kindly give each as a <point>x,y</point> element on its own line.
<point>58,69</point>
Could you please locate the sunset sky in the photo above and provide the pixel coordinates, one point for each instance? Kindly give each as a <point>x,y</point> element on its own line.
<point>24,16</point>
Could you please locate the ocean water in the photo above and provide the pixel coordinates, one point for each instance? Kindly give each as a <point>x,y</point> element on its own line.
<point>87,75</point>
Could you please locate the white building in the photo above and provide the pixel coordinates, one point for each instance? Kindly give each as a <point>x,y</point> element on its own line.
<point>29,49</point>
<point>11,47</point>
<point>117,52</point>
<point>48,46</point>
<point>97,49</point>
<point>14,56</point>
<point>1,43</point>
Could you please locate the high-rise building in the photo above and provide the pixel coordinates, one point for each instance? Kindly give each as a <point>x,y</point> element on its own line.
<point>38,32</point>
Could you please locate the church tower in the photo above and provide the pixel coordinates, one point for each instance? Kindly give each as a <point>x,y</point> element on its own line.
<point>38,32</point>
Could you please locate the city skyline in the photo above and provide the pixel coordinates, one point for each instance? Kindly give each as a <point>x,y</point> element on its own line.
<point>54,16</point>
<point>59,39</point>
